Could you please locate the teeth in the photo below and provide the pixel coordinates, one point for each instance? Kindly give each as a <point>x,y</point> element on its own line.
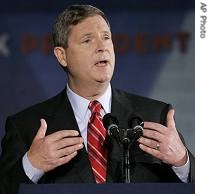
<point>102,62</point>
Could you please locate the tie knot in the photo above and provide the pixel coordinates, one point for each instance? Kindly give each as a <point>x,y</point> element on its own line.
<point>95,106</point>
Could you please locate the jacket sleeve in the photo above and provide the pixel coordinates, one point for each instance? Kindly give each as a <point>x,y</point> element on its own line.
<point>11,168</point>
<point>191,177</point>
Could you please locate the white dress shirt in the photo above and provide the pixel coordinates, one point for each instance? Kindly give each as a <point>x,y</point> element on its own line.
<point>82,115</point>
<point>82,112</point>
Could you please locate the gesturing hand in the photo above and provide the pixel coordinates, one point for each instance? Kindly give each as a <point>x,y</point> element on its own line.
<point>164,142</point>
<point>49,152</point>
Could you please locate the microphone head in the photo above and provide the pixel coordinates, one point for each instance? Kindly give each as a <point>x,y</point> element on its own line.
<point>137,124</point>
<point>109,119</point>
<point>111,125</point>
<point>134,121</point>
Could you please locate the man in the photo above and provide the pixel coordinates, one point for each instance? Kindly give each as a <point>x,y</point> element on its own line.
<point>48,142</point>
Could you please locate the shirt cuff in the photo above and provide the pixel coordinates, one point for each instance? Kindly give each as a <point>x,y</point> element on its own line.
<point>183,171</point>
<point>33,173</point>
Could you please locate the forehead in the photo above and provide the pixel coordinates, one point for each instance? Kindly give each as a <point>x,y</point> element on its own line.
<point>89,25</point>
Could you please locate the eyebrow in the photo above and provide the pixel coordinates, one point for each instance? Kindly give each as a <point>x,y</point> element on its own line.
<point>90,34</point>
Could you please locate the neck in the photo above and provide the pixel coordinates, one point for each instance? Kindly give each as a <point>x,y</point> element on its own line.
<point>89,91</point>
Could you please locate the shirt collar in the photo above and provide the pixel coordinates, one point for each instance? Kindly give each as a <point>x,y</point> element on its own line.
<point>80,104</point>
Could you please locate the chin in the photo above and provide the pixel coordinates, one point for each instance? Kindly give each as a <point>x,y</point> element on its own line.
<point>103,76</point>
<point>104,80</point>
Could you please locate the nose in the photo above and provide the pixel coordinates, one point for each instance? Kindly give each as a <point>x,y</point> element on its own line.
<point>101,45</point>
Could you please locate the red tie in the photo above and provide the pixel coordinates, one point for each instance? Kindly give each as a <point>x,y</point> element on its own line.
<point>97,152</point>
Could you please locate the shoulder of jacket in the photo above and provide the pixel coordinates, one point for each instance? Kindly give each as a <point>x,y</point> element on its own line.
<point>46,104</point>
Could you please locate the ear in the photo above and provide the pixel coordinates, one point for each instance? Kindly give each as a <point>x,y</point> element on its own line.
<point>60,54</point>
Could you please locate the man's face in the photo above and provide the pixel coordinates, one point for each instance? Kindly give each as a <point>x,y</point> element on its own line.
<point>90,54</point>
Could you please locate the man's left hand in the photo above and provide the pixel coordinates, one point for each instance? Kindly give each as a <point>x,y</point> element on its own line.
<point>163,142</point>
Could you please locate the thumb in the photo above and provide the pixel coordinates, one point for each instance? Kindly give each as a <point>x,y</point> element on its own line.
<point>42,130</point>
<point>170,123</point>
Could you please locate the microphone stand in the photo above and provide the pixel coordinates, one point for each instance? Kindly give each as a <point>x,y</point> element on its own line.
<point>124,138</point>
<point>128,137</point>
<point>125,141</point>
<point>126,161</point>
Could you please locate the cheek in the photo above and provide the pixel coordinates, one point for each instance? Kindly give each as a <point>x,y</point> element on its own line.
<point>74,59</point>
<point>79,65</point>
<point>111,50</point>
<point>113,58</point>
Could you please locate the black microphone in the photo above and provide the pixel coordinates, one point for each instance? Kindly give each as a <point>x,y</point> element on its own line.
<point>136,123</point>
<point>111,125</point>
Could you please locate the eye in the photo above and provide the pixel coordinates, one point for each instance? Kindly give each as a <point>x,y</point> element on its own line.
<point>106,37</point>
<point>86,41</point>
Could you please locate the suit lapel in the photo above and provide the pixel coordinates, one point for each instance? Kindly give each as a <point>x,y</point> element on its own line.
<point>62,117</point>
<point>119,109</point>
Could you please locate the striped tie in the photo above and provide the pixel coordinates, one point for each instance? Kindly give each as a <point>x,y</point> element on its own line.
<point>97,152</point>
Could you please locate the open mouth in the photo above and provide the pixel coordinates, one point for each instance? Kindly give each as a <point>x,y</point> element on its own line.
<point>102,63</point>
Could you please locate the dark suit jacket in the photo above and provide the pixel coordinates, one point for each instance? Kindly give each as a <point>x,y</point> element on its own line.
<point>22,127</point>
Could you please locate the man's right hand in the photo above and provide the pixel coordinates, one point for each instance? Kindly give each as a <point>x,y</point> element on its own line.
<point>48,152</point>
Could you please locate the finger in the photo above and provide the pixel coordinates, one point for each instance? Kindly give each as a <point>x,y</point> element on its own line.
<point>170,123</point>
<point>42,130</point>
<point>68,150</point>
<point>66,159</point>
<point>152,134</point>
<point>63,134</point>
<point>65,142</point>
<point>154,152</point>
<point>148,142</point>
<point>155,126</point>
